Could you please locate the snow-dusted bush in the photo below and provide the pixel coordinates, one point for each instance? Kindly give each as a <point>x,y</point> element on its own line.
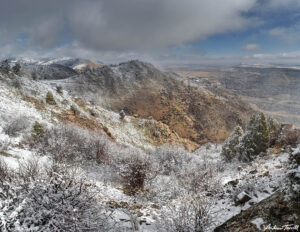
<point>16,126</point>
<point>289,136</point>
<point>135,168</point>
<point>229,149</point>
<point>16,83</point>
<point>28,170</point>
<point>4,171</point>
<point>4,145</point>
<point>192,214</point>
<point>53,201</point>
<point>180,172</point>
<point>170,159</point>
<point>134,172</point>
<point>70,143</point>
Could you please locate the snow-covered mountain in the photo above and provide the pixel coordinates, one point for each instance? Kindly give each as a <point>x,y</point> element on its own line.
<point>82,164</point>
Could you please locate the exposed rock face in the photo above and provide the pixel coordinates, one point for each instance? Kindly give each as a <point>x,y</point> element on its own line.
<point>242,198</point>
<point>274,210</point>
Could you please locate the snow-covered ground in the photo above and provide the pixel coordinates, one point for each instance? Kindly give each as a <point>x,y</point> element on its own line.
<point>233,186</point>
<point>259,180</point>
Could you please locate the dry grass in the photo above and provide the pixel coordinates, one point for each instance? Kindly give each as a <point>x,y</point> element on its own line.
<point>193,115</point>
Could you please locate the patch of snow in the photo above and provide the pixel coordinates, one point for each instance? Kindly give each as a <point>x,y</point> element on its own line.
<point>258,222</point>
<point>80,66</point>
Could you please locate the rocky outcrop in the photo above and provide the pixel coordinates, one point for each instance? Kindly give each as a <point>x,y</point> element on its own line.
<point>273,211</point>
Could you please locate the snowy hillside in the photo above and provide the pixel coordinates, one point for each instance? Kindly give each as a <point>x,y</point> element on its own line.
<point>69,164</point>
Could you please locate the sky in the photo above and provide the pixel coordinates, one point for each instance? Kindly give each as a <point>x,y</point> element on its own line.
<point>169,32</point>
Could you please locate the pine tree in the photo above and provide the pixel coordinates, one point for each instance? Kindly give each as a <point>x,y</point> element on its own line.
<point>256,138</point>
<point>16,69</point>
<point>50,99</point>
<point>4,66</point>
<point>37,129</point>
<point>229,149</point>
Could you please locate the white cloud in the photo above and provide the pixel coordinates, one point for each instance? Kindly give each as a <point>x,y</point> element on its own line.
<point>251,47</point>
<point>289,34</point>
<point>117,25</point>
<point>152,24</point>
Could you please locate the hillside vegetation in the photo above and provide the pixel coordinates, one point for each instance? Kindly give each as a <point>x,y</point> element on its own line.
<point>130,148</point>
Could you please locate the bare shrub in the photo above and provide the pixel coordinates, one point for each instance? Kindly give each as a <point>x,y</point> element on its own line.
<point>4,171</point>
<point>55,201</point>
<point>69,143</point>
<point>193,214</point>
<point>4,145</point>
<point>171,159</point>
<point>133,173</point>
<point>136,168</point>
<point>29,169</point>
<point>16,126</point>
<point>201,181</point>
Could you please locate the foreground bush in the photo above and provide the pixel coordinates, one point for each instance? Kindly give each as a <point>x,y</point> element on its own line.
<point>134,172</point>
<point>56,200</point>
<point>193,214</point>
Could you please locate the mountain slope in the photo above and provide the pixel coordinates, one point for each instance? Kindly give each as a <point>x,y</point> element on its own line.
<point>197,114</point>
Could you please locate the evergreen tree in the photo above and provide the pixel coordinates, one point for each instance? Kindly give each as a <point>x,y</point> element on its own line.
<point>229,149</point>
<point>256,138</point>
<point>50,99</point>
<point>4,66</point>
<point>37,129</point>
<point>16,69</point>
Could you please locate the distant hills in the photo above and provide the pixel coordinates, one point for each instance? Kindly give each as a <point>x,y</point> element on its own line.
<point>274,89</point>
